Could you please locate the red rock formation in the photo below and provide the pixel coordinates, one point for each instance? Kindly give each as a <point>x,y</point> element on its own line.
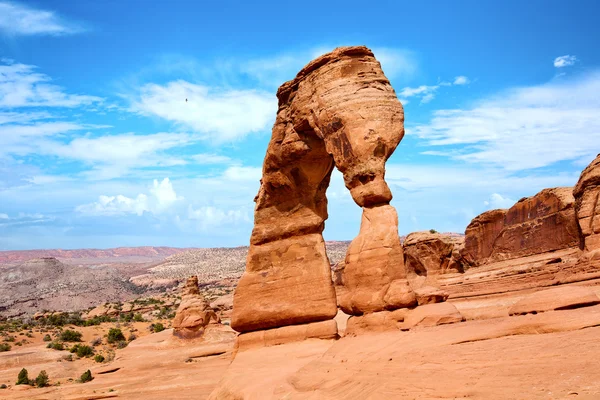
<point>534,225</point>
<point>587,204</point>
<point>481,234</point>
<point>538,224</point>
<point>427,253</point>
<point>193,313</point>
<point>340,111</point>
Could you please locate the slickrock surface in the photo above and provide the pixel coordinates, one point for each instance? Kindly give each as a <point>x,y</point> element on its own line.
<point>428,253</point>
<point>193,314</point>
<point>587,204</point>
<point>340,111</point>
<point>559,298</point>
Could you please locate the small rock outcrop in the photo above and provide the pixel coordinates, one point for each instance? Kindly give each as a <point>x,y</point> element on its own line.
<point>587,205</point>
<point>193,313</point>
<point>340,111</point>
<point>427,253</point>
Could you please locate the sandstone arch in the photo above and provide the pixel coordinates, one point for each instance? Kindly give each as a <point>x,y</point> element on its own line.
<point>340,111</point>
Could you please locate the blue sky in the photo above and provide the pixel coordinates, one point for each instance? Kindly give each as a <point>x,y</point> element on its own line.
<point>99,149</point>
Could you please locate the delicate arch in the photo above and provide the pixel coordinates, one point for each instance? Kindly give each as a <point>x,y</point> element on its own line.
<point>340,111</point>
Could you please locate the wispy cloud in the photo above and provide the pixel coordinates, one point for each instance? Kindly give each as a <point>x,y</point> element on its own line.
<point>22,86</point>
<point>461,80</point>
<point>428,92</point>
<point>219,114</point>
<point>564,61</point>
<point>522,128</point>
<point>19,19</point>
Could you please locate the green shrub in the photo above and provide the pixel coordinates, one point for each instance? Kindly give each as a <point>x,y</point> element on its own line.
<point>115,335</point>
<point>23,378</point>
<point>4,347</point>
<point>157,327</point>
<point>82,350</point>
<point>86,376</point>
<point>138,318</point>
<point>99,358</point>
<point>70,336</point>
<point>3,386</point>
<point>47,338</point>
<point>42,379</point>
<point>56,346</point>
<point>432,231</point>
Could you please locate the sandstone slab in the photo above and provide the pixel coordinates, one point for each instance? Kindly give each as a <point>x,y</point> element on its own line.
<point>560,298</point>
<point>326,330</point>
<point>432,315</point>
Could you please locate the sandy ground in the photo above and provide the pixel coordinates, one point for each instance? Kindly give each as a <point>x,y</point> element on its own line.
<point>491,355</point>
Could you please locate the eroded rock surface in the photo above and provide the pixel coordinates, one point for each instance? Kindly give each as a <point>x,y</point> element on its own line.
<point>193,313</point>
<point>427,253</point>
<point>538,224</point>
<point>340,111</point>
<point>481,234</point>
<point>587,205</point>
<point>534,225</point>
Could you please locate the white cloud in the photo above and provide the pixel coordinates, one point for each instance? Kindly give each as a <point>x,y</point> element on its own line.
<point>161,198</point>
<point>219,114</point>
<point>3,216</point>
<point>428,92</point>
<point>240,173</point>
<point>564,61</point>
<point>18,19</point>
<point>461,80</point>
<point>498,201</point>
<point>21,86</point>
<point>213,217</point>
<point>522,128</point>
<point>210,159</point>
<point>113,156</point>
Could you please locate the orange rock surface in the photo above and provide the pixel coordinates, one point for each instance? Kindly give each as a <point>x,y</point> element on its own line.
<point>587,204</point>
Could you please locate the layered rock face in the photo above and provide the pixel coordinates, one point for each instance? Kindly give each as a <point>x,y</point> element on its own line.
<point>193,313</point>
<point>534,225</point>
<point>427,253</point>
<point>587,205</point>
<point>538,224</point>
<point>481,234</point>
<point>340,111</point>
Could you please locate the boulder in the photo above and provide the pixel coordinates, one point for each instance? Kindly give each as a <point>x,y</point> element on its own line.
<point>431,315</point>
<point>587,205</point>
<point>193,313</point>
<point>427,253</point>
<point>480,236</point>
<point>340,111</point>
<point>559,298</point>
<point>429,295</point>
<point>538,224</point>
